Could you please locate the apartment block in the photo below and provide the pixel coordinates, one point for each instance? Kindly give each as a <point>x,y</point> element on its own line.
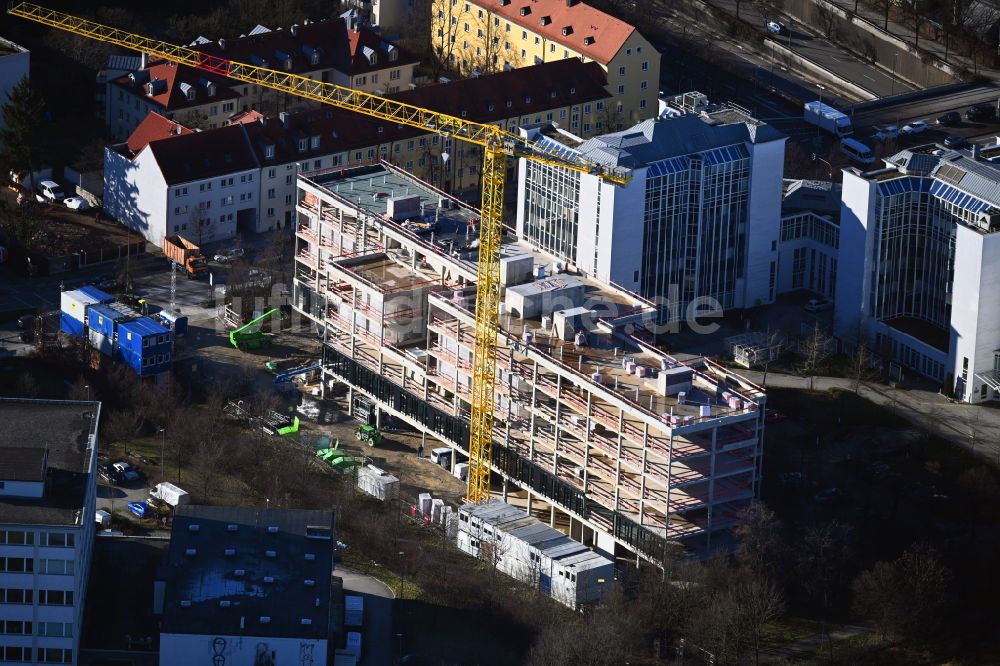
<point>919,246</point>
<point>492,35</point>
<point>596,432</point>
<point>329,51</point>
<point>48,464</point>
<point>699,219</point>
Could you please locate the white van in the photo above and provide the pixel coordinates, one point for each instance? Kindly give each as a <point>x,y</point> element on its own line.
<point>857,151</point>
<point>50,190</point>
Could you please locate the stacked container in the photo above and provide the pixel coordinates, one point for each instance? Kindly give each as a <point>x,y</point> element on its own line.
<point>75,305</point>
<point>102,320</point>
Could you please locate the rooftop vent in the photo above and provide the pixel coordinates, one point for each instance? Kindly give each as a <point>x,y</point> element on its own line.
<point>230,552</point>
<point>270,553</point>
<point>272,529</point>
<point>194,527</point>
<point>265,619</point>
<point>310,557</point>
<point>191,552</point>
<point>225,603</point>
<point>309,582</point>
<point>185,603</point>
<point>232,527</point>
<point>268,579</point>
<point>239,573</point>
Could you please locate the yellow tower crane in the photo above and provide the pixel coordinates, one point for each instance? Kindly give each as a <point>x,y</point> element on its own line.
<point>497,146</point>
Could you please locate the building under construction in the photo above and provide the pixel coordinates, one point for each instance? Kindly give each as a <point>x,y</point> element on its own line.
<point>596,432</point>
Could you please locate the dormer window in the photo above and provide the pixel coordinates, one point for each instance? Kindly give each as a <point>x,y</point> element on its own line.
<point>393,52</point>
<point>314,142</point>
<point>546,20</point>
<point>504,3</point>
<point>567,31</point>
<point>312,53</point>
<point>302,145</point>
<point>552,94</point>
<point>527,99</point>
<point>510,103</point>
<point>525,11</point>
<point>269,151</point>
<point>188,91</point>
<point>491,107</point>
<point>587,41</point>
<point>572,90</point>
<point>370,55</point>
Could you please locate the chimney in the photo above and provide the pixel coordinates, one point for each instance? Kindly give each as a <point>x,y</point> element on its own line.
<point>283,116</point>
<point>143,60</point>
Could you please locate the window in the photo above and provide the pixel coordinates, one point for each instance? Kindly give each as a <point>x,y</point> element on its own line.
<point>248,178</point>
<point>55,629</point>
<point>9,653</point>
<point>246,197</point>
<point>227,201</point>
<point>205,187</point>
<point>228,107</point>
<point>57,539</point>
<point>628,52</point>
<point>17,538</point>
<point>537,40</point>
<point>55,656</point>
<point>180,191</point>
<point>270,193</point>
<point>288,199</point>
<point>466,27</point>
<point>269,152</point>
<point>16,627</point>
<point>317,164</point>
<point>586,109</point>
<point>643,85</point>
<point>17,564</point>
<point>394,75</point>
<point>204,205</point>
<point>272,173</point>
<point>645,66</point>
<point>288,179</point>
<point>15,595</point>
<point>621,90</point>
<point>621,71</point>
<point>226,182</point>
<point>524,34</point>
<point>600,106</point>
<point>270,212</point>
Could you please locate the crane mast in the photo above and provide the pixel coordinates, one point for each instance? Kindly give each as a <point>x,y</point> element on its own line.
<point>497,145</point>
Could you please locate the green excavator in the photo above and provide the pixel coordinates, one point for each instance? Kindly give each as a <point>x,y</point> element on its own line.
<point>250,335</point>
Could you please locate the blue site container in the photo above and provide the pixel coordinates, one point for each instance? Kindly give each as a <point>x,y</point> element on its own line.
<point>144,344</point>
<point>104,318</point>
<point>177,323</point>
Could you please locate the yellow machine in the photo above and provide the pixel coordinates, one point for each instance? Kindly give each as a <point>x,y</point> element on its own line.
<point>497,145</point>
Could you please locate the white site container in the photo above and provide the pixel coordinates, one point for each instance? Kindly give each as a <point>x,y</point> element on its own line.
<point>354,610</point>
<point>424,503</point>
<point>462,471</point>
<point>436,506</point>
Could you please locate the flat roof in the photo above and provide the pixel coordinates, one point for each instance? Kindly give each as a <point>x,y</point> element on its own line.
<point>928,333</point>
<point>252,571</point>
<point>22,464</point>
<point>144,326</point>
<point>65,429</point>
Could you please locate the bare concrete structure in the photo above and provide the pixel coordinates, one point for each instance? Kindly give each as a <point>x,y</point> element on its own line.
<point>597,432</point>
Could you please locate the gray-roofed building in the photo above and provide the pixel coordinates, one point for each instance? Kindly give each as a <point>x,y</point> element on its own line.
<point>917,266</point>
<point>524,548</point>
<point>250,583</point>
<point>698,219</point>
<point>48,459</point>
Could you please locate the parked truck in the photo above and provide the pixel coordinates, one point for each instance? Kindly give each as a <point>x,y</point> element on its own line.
<point>185,254</point>
<point>828,118</point>
<point>169,493</point>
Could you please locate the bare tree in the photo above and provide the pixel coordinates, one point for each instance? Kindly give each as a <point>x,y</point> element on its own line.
<point>814,349</point>
<point>827,21</point>
<point>757,603</point>
<point>863,365</point>
<point>821,563</point>
<point>761,547</point>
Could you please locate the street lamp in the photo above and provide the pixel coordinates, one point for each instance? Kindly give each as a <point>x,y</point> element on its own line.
<point>821,89</point>
<point>163,445</point>
<point>87,386</point>
<point>892,80</point>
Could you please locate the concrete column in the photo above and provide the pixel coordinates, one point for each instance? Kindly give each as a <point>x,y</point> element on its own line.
<point>504,489</point>
<point>534,405</point>
<point>552,515</point>
<point>555,429</point>
<point>645,470</point>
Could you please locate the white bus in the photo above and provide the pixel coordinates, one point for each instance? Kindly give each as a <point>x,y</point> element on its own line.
<point>857,151</point>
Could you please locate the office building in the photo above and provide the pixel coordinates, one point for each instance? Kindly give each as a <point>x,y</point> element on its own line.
<point>810,237</point>
<point>919,247</point>
<point>597,433</point>
<point>48,470</point>
<point>698,219</point>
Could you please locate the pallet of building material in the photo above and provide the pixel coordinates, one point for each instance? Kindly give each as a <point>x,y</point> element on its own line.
<point>436,506</point>
<point>378,483</point>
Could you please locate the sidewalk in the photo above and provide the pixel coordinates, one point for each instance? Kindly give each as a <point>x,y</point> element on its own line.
<point>974,427</point>
<point>907,35</point>
<point>811,645</point>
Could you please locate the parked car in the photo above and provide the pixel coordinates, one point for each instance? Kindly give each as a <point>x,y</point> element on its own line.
<point>981,112</point>
<point>125,471</point>
<point>141,509</point>
<point>230,255</point>
<point>775,27</point>
<point>50,191</point>
<point>886,133</point>
<point>76,203</point>
<point>955,141</point>
<point>818,305</point>
<point>950,118</point>
<point>916,127</point>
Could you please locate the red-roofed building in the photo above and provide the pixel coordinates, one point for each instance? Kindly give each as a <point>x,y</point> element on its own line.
<point>491,35</point>
<point>327,51</point>
<point>153,128</point>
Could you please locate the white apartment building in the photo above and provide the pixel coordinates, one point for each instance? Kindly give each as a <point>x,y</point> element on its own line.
<point>48,465</point>
<point>202,185</point>
<point>699,218</point>
<point>597,433</point>
<point>919,247</point>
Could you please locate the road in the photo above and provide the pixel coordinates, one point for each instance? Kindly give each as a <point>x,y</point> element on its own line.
<point>377,641</point>
<point>809,43</point>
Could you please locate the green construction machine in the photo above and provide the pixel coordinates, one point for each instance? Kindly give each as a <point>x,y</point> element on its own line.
<point>334,457</point>
<point>250,335</point>
<point>368,434</point>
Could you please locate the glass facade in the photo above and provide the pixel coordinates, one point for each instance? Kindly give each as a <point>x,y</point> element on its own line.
<point>552,204</point>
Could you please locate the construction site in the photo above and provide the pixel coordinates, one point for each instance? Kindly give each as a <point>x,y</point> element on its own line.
<point>595,432</point>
